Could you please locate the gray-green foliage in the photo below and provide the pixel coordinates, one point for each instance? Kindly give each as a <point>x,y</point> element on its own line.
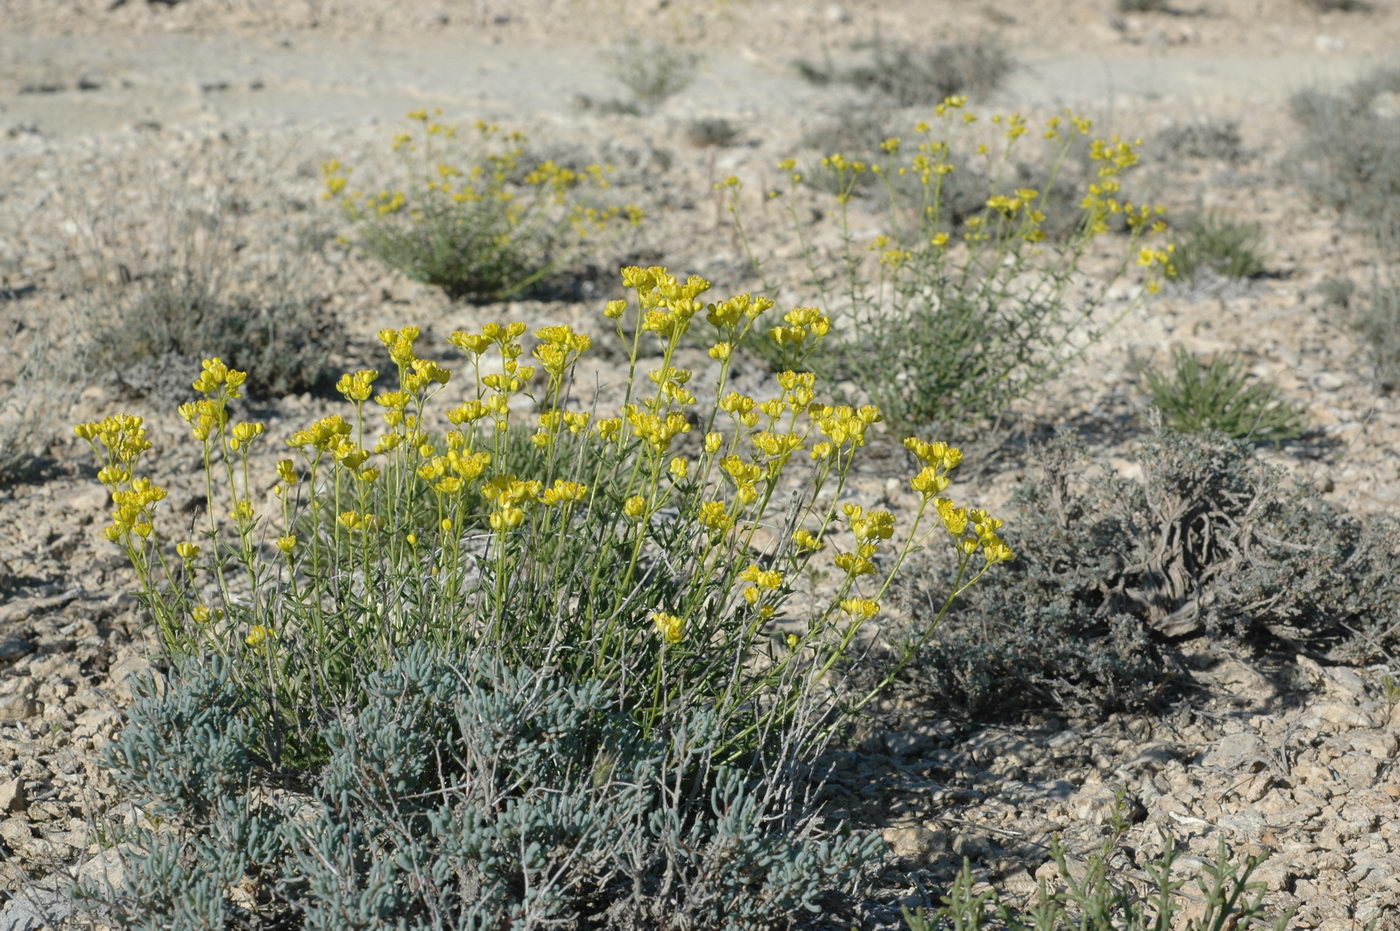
<point>1349,153</point>
<point>1219,395</point>
<point>1096,900</point>
<point>1376,319</point>
<point>1203,139</point>
<point>166,323</point>
<point>1212,243</point>
<point>653,71</point>
<point>36,397</point>
<point>908,75</point>
<point>1110,570</point>
<point>462,794</point>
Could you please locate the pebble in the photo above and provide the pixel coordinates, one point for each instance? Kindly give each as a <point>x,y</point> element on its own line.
<point>12,797</point>
<point>18,706</point>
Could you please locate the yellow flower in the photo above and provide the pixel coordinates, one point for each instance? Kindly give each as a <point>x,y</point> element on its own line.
<point>678,468</point>
<point>287,544</point>
<point>807,542</point>
<point>201,614</point>
<point>860,608</point>
<point>672,628</point>
<point>854,564</point>
<point>245,433</point>
<point>258,635</point>
<point>357,386</point>
<point>715,516</point>
<point>563,492</point>
<point>712,443</point>
<point>187,551</point>
<point>634,507</point>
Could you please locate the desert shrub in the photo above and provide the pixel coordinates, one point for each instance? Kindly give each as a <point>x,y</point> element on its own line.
<point>711,132</point>
<point>1349,153</point>
<point>1203,139</point>
<point>479,223</point>
<point>653,72</point>
<point>35,397</point>
<point>154,329</point>
<point>1215,244</point>
<point>1339,6</point>
<point>962,318</point>
<point>630,557</point>
<point>908,75</point>
<point>1376,319</point>
<point>1221,896</point>
<point>1220,396</point>
<point>462,793</point>
<point>1114,569</point>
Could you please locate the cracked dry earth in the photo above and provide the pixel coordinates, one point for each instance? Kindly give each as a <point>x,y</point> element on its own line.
<point>111,113</point>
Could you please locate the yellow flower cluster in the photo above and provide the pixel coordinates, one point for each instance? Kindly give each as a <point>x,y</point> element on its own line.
<point>761,580</point>
<point>118,441</point>
<point>672,628</point>
<point>803,323</point>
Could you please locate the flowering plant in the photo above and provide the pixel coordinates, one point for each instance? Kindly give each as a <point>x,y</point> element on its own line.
<point>482,228</point>
<point>648,549</point>
<point>966,314</point>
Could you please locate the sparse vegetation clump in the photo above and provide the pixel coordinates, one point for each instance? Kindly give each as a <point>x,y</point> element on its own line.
<point>1349,154</point>
<point>1206,541</point>
<point>35,400</point>
<point>1203,139</point>
<point>711,132</point>
<point>1210,243</point>
<point>907,75</point>
<point>481,224</point>
<point>1219,396</point>
<point>652,72</point>
<point>1376,319</point>
<point>167,321</point>
<point>1339,6</point>
<point>1221,895</point>
<point>964,315</point>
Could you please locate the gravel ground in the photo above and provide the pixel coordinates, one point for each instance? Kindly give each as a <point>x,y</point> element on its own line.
<point>117,119</point>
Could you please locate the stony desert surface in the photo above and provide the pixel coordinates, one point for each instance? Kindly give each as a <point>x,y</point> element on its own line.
<point>119,118</point>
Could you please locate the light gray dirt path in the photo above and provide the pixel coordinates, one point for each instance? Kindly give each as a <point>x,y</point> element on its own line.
<point>85,85</point>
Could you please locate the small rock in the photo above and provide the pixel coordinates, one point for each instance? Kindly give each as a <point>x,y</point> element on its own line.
<point>1236,752</point>
<point>18,706</point>
<point>915,843</point>
<point>1328,381</point>
<point>15,831</point>
<point>95,721</point>
<point>837,14</point>
<point>13,647</point>
<point>1379,744</point>
<point>34,911</point>
<point>105,869</point>
<point>12,798</point>
<point>1342,715</point>
<point>122,671</point>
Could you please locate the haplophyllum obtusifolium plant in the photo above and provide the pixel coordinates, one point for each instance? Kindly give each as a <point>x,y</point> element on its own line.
<point>631,557</point>
<point>479,221</point>
<point>963,317</point>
